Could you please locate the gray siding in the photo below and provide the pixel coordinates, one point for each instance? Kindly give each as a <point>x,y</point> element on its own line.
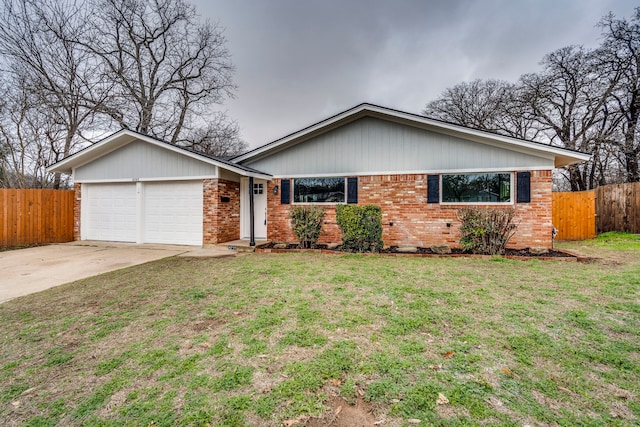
<point>143,160</point>
<point>228,175</point>
<point>371,145</point>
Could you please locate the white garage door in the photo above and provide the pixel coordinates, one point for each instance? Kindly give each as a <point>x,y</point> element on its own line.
<point>173,213</point>
<point>162,212</point>
<point>109,212</point>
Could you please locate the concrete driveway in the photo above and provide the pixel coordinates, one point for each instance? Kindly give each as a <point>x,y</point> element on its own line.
<point>26,271</point>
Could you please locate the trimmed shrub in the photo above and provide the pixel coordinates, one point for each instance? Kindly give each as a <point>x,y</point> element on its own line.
<point>306,222</point>
<point>486,231</point>
<point>361,227</point>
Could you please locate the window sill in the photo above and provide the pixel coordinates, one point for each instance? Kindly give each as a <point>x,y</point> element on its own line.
<point>476,203</point>
<point>318,203</point>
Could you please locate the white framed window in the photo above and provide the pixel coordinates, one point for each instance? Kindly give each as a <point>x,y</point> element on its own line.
<point>258,188</point>
<point>477,188</point>
<point>319,190</point>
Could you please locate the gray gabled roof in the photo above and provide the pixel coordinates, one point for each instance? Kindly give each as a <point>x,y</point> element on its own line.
<point>561,156</point>
<point>126,136</point>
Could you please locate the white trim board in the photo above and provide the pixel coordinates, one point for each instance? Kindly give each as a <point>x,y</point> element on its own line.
<point>413,172</point>
<point>174,178</point>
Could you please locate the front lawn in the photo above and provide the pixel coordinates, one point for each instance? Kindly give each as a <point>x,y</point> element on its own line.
<point>293,339</point>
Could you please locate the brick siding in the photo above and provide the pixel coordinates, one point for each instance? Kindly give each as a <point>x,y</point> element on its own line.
<point>403,199</point>
<point>77,201</point>
<point>220,220</point>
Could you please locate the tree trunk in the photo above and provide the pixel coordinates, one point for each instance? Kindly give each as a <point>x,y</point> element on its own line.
<point>631,163</point>
<point>576,179</point>
<point>630,150</point>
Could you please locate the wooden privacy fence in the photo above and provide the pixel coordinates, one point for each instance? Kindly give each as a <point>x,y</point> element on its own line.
<point>35,216</point>
<point>574,215</point>
<point>618,208</point>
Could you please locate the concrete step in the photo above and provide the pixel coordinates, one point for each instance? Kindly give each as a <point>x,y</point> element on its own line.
<point>242,245</point>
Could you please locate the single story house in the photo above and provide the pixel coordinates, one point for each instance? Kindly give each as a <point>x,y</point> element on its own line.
<point>134,188</point>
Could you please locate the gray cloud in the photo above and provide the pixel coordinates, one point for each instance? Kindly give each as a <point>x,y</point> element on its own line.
<point>299,61</point>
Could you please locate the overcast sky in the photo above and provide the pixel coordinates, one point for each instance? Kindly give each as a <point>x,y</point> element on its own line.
<point>300,61</point>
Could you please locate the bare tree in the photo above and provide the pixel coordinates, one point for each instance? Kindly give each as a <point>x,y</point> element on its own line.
<point>56,76</point>
<point>30,138</point>
<point>620,57</point>
<point>568,103</point>
<point>220,138</point>
<point>78,66</point>
<point>588,100</point>
<point>165,66</point>
<point>490,105</point>
<point>5,173</point>
<point>571,103</point>
<point>477,104</point>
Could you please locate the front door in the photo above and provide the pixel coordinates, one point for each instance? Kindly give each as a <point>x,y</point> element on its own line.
<point>259,208</point>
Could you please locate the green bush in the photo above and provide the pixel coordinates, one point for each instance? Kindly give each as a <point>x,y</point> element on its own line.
<point>486,231</point>
<point>361,227</point>
<point>306,222</point>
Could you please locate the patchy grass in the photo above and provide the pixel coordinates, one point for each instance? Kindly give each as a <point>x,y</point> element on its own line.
<point>617,240</point>
<point>265,338</point>
<point>612,245</point>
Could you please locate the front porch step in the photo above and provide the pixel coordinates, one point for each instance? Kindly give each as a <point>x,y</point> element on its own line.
<point>242,245</point>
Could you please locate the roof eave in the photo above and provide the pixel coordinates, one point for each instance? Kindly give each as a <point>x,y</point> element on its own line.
<point>565,160</point>
<point>240,172</point>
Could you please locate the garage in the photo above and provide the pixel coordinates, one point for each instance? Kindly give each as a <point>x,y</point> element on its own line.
<point>135,188</point>
<point>173,213</point>
<point>143,212</point>
<point>110,212</point>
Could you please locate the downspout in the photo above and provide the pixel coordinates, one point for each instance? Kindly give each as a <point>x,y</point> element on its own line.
<point>252,236</point>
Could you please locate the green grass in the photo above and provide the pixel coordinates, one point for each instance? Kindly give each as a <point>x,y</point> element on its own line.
<point>618,240</point>
<point>261,339</point>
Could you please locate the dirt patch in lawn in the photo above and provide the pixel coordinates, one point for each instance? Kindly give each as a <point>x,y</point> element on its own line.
<point>343,414</point>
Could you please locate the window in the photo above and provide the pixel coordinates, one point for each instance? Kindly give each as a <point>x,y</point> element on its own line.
<point>318,190</point>
<point>476,188</point>
<point>258,188</point>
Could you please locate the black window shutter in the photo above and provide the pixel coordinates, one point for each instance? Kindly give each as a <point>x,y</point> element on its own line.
<point>285,191</point>
<point>433,189</point>
<point>352,190</point>
<point>524,187</point>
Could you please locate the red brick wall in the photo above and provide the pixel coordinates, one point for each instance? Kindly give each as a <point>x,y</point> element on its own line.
<point>536,217</point>
<point>77,200</point>
<point>403,199</point>
<point>221,220</point>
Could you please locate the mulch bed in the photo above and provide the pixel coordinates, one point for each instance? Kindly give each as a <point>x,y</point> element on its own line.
<point>521,254</point>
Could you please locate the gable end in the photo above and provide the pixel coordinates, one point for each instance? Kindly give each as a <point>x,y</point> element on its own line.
<point>140,159</point>
<point>372,145</point>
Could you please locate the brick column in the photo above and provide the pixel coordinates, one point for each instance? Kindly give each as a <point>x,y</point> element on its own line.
<point>535,218</point>
<point>77,201</point>
<point>221,211</point>
<point>228,224</point>
<point>210,207</point>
